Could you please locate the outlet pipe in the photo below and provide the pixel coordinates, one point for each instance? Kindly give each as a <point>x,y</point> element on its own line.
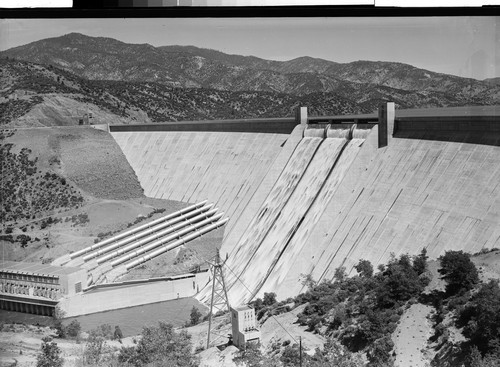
<point>177,243</point>
<point>135,237</point>
<point>136,229</point>
<point>161,241</point>
<point>156,236</point>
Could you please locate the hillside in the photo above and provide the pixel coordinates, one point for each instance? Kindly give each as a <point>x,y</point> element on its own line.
<point>42,95</point>
<point>362,83</point>
<point>62,187</point>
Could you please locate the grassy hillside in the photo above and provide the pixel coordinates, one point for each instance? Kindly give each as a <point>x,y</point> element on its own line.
<point>55,182</point>
<point>43,95</point>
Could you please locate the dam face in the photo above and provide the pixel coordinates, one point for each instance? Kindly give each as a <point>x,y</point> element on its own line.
<point>311,201</point>
<point>223,167</point>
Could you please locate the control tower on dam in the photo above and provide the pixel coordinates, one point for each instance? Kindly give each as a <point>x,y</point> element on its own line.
<point>326,192</point>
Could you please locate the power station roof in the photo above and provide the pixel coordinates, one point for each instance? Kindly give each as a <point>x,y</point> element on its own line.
<point>21,267</point>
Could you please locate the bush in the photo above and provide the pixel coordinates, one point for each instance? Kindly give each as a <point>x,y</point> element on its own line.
<point>60,329</point>
<point>73,329</point>
<point>160,345</point>
<point>50,355</point>
<point>195,316</point>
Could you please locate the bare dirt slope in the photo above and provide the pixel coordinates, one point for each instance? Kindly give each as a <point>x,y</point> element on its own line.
<point>56,109</point>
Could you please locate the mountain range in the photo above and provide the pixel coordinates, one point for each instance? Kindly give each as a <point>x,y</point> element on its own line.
<point>202,79</point>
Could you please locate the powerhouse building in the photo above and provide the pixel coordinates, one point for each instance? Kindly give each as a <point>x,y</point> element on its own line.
<point>37,288</point>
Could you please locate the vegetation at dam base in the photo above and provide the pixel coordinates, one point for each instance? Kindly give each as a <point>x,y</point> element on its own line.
<point>357,316</point>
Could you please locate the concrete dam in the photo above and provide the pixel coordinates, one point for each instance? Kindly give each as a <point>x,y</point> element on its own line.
<point>305,199</point>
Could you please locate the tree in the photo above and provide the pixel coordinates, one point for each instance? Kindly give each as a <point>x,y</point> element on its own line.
<point>252,356</point>
<point>269,299</point>
<point>340,274</point>
<point>160,345</point>
<point>399,282</point>
<point>195,316</point>
<point>50,355</point>
<point>420,262</point>
<point>95,348</point>
<point>458,271</point>
<point>482,317</point>
<point>364,268</point>
<point>379,352</point>
<point>291,356</point>
<point>335,354</point>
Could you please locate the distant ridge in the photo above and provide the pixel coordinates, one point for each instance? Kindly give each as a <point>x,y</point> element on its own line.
<point>102,58</point>
<point>142,83</point>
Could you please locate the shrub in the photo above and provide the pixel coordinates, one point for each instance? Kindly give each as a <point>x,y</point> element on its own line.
<point>60,329</point>
<point>73,329</point>
<point>50,355</point>
<point>163,345</point>
<point>195,316</point>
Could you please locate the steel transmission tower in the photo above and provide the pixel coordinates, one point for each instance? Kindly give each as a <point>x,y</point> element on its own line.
<point>219,300</point>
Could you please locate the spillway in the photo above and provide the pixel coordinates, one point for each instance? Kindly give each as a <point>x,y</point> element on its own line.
<point>286,276</point>
<point>276,243</point>
<point>273,205</point>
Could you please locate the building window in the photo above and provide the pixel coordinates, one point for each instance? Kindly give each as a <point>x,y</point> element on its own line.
<point>78,287</point>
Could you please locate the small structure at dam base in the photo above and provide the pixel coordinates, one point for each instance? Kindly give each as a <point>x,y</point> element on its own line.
<point>244,326</point>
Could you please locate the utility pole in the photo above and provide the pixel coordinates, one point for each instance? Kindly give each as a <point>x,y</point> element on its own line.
<point>300,350</point>
<point>219,295</point>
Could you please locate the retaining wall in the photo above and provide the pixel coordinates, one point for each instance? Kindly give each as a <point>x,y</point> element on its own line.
<point>112,297</point>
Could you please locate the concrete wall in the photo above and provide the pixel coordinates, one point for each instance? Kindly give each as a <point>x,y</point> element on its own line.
<point>432,189</point>
<point>129,295</point>
<point>224,168</point>
<point>434,185</point>
<point>411,194</point>
<point>69,281</point>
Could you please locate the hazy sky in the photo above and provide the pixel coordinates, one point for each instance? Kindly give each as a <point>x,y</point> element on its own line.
<point>464,46</point>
